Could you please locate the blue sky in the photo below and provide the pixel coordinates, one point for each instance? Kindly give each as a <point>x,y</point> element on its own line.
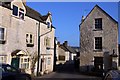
<point>66,16</point>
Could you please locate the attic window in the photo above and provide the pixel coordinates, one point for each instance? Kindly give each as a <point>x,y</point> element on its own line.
<point>15,10</point>
<point>98,23</point>
<point>48,24</point>
<point>21,13</point>
<point>18,12</point>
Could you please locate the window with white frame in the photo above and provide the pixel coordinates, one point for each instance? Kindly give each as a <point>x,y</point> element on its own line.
<point>98,23</point>
<point>2,34</point>
<point>24,62</point>
<point>49,60</point>
<point>29,38</point>
<point>98,43</point>
<point>47,42</point>
<point>21,13</point>
<point>15,10</point>
<point>48,24</point>
<point>18,12</point>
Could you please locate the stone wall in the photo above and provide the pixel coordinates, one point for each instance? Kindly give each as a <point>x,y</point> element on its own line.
<point>109,34</point>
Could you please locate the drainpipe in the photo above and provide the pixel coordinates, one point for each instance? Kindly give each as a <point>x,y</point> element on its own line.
<point>55,59</point>
<point>38,49</point>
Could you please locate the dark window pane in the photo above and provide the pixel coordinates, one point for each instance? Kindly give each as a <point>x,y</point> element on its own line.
<point>27,38</point>
<point>26,35</point>
<point>30,38</point>
<point>62,58</point>
<point>2,33</point>
<point>98,23</point>
<point>98,42</point>
<point>15,10</point>
<point>21,15</point>
<point>48,24</point>
<point>21,10</point>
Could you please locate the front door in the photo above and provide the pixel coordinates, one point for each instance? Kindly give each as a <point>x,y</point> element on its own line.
<point>98,63</point>
<point>15,62</point>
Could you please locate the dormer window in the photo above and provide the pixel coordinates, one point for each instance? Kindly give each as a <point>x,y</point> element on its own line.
<point>18,12</point>
<point>48,24</point>
<point>21,13</point>
<point>15,10</point>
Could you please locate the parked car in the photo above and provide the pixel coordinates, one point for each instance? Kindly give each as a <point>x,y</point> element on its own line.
<point>112,75</point>
<point>8,72</point>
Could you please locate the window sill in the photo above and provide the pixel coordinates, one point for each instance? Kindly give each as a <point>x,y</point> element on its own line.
<point>17,17</point>
<point>98,50</point>
<point>97,29</point>
<point>2,41</point>
<point>114,55</point>
<point>30,45</point>
<point>47,48</point>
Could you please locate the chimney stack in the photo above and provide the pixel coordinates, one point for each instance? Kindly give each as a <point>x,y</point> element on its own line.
<point>58,43</point>
<point>83,18</point>
<point>65,43</point>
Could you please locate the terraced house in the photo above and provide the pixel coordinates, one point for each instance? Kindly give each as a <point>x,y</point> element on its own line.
<point>98,41</point>
<point>22,29</point>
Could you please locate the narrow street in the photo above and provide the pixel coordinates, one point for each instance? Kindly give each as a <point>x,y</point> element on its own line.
<point>66,72</point>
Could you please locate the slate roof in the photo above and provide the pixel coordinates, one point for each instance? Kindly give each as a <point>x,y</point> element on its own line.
<point>102,11</point>
<point>68,48</point>
<point>29,12</point>
<point>33,14</point>
<point>6,4</point>
<point>77,49</point>
<point>44,18</point>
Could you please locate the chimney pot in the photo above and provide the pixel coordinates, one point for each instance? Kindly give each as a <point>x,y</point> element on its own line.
<point>65,43</point>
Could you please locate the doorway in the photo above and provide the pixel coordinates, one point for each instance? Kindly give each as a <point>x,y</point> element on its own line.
<point>98,63</point>
<point>15,62</point>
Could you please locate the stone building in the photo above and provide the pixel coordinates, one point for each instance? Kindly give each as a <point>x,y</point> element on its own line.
<point>65,53</point>
<point>20,27</point>
<point>98,41</point>
<point>47,44</point>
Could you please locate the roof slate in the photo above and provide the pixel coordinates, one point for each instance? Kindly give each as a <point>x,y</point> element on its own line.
<point>44,18</point>
<point>33,14</point>
<point>67,48</point>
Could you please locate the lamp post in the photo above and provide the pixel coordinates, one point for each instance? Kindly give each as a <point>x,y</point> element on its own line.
<point>38,49</point>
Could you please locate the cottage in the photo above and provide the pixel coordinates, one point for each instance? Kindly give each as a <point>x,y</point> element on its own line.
<point>65,53</point>
<point>24,32</point>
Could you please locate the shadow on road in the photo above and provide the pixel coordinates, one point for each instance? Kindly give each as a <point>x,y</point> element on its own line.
<point>68,67</point>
